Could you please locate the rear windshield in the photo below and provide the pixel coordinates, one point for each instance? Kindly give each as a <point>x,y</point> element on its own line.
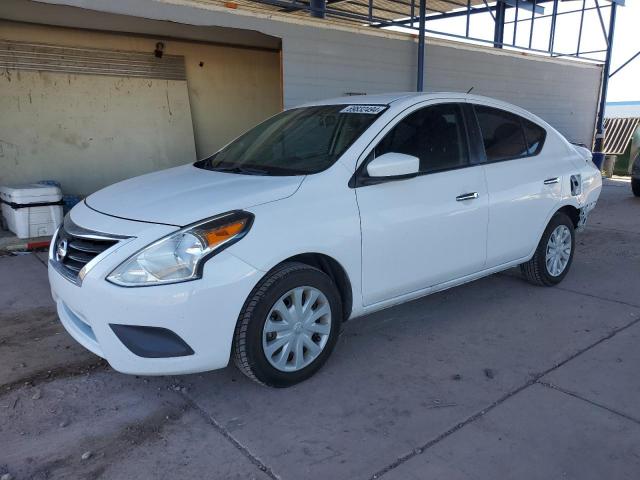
<point>300,141</point>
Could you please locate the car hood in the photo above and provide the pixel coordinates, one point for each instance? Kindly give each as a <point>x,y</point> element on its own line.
<point>183,195</point>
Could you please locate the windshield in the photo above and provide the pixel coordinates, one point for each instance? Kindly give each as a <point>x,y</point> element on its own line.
<point>295,142</point>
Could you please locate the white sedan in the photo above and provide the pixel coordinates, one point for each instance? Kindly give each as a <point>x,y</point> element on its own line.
<point>320,214</point>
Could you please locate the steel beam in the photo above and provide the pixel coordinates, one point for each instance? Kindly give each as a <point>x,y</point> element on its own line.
<point>525,5</point>
<point>625,64</point>
<point>438,16</point>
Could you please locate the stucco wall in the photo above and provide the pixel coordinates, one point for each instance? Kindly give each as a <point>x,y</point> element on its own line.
<point>88,131</point>
<point>233,89</point>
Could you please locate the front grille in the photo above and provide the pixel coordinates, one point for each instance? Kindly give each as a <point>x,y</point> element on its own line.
<point>75,247</point>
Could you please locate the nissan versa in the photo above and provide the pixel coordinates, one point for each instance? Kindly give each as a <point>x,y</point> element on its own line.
<point>319,214</point>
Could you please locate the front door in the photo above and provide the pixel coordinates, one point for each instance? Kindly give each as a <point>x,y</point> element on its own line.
<point>429,229</point>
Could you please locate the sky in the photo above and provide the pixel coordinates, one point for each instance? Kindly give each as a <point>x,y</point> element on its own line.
<point>623,86</point>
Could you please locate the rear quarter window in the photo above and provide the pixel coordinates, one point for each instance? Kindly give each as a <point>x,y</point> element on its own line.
<point>534,135</point>
<point>508,136</point>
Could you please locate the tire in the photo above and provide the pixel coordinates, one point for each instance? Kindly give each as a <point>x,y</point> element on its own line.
<point>635,186</point>
<point>536,270</point>
<point>251,339</point>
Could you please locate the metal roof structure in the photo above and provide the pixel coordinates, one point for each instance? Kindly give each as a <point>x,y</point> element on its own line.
<point>510,19</point>
<point>355,11</point>
<point>423,16</point>
<point>618,134</point>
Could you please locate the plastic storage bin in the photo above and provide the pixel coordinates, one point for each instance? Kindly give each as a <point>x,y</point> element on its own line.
<point>32,210</point>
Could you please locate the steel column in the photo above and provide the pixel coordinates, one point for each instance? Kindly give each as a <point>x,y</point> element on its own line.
<point>598,155</point>
<point>515,24</point>
<point>421,41</point>
<point>552,34</point>
<point>584,3</point>
<point>498,31</point>
<point>533,19</point>
<point>318,8</point>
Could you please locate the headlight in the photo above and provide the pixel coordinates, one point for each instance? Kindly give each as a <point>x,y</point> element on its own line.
<point>179,257</point>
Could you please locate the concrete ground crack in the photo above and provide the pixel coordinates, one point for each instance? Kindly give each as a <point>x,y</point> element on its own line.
<point>564,289</point>
<point>533,380</point>
<point>621,302</point>
<point>39,259</point>
<point>590,402</point>
<point>230,438</point>
<point>609,229</point>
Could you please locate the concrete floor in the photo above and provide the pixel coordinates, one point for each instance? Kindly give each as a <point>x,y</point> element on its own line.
<point>495,379</point>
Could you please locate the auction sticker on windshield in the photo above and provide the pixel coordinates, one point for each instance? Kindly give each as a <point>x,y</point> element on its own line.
<point>371,109</point>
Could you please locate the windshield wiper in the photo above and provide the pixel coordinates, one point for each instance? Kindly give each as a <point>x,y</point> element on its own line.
<point>241,170</point>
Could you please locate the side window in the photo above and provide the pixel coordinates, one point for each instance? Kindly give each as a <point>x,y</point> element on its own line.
<point>502,134</point>
<point>434,134</point>
<point>534,135</point>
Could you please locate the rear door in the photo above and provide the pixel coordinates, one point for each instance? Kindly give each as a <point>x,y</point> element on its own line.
<point>421,231</point>
<point>523,180</point>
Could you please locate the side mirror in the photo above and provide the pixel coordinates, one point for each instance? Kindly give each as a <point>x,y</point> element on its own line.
<point>393,165</point>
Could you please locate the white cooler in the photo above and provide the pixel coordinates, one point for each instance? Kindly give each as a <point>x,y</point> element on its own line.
<point>32,210</point>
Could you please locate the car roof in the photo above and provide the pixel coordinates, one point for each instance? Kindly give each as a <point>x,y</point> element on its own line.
<point>405,97</point>
<point>381,98</point>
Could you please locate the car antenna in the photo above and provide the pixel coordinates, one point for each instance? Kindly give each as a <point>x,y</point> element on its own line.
<point>469,91</point>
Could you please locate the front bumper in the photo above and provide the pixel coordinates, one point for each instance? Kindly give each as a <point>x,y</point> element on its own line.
<point>203,313</point>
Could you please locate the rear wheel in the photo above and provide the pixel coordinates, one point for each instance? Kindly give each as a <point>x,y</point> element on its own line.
<point>554,254</point>
<point>288,326</point>
<point>635,186</point>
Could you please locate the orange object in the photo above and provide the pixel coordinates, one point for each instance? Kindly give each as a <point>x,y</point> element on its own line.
<point>221,234</point>
<point>231,5</point>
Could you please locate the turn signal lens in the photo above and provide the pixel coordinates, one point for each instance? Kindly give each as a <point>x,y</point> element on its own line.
<point>219,235</point>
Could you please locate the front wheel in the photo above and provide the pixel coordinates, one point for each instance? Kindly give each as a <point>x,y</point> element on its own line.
<point>554,254</point>
<point>288,326</point>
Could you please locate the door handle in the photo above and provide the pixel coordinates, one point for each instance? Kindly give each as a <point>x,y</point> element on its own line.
<point>467,196</point>
<point>551,181</point>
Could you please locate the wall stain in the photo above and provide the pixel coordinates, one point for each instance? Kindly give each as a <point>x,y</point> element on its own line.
<point>168,105</point>
<point>70,138</point>
<point>10,151</point>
